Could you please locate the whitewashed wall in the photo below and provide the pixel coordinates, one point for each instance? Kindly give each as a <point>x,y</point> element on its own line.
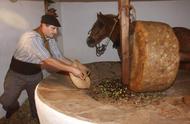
<point>15,18</point>
<point>175,13</point>
<point>77,19</point>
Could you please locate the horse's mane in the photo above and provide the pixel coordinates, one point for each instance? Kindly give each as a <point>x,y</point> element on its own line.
<point>108,16</point>
<point>106,19</point>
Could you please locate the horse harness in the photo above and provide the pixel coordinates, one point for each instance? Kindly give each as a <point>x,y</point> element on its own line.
<point>100,49</point>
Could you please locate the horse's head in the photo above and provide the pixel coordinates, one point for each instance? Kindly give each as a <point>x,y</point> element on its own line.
<point>107,26</point>
<point>101,29</point>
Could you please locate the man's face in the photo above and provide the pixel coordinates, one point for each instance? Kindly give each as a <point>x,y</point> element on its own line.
<point>49,31</point>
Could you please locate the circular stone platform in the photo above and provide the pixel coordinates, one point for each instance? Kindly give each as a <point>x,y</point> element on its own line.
<point>59,102</point>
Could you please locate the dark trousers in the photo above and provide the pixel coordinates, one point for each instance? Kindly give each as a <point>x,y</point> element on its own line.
<point>14,84</point>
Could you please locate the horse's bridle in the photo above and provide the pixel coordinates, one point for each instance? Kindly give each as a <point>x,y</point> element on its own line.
<point>101,48</point>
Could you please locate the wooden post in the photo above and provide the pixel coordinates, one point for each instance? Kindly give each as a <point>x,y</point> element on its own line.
<point>46,5</point>
<point>123,6</point>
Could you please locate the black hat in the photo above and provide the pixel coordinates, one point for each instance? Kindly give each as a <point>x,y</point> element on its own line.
<point>51,20</point>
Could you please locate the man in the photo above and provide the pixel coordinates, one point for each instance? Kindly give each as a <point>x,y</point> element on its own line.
<point>35,49</point>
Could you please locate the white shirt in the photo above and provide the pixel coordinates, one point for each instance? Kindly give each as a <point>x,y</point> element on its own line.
<point>31,48</point>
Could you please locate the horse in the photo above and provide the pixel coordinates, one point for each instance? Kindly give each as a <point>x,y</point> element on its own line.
<point>108,26</point>
<point>105,26</point>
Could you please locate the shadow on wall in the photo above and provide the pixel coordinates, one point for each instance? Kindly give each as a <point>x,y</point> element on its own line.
<point>13,19</point>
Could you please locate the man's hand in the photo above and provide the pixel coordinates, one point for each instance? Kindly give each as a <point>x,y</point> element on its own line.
<point>77,72</point>
<point>82,72</point>
<point>83,68</point>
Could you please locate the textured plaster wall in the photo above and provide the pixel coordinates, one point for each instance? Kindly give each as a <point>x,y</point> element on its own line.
<point>76,18</point>
<point>15,18</point>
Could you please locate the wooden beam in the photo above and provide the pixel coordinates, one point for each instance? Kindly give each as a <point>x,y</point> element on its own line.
<point>123,6</point>
<point>46,5</point>
<point>98,0</point>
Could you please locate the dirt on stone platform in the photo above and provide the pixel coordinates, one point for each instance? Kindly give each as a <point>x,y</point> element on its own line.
<point>171,106</point>
<point>113,91</point>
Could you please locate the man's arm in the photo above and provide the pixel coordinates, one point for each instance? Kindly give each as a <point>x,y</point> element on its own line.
<point>66,60</point>
<point>62,66</point>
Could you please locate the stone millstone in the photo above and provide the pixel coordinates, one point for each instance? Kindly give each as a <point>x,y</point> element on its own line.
<point>155,57</point>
